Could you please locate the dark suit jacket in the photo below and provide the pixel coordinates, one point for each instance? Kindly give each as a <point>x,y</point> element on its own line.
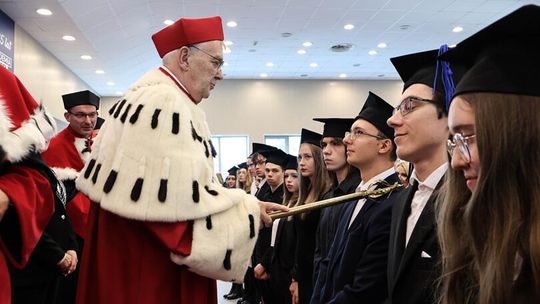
<point>411,277</point>
<point>355,269</point>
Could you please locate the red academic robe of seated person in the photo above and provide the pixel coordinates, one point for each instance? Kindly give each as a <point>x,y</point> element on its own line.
<point>162,228</point>
<point>24,126</point>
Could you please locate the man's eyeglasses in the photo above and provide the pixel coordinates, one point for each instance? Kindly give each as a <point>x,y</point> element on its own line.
<point>217,62</point>
<point>81,115</point>
<point>357,133</point>
<point>462,142</point>
<point>410,103</point>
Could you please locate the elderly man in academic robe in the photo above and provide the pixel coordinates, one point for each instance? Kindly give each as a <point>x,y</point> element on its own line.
<point>162,228</point>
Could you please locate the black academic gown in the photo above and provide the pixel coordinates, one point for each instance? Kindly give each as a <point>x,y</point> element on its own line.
<point>411,277</point>
<point>355,269</point>
<point>330,219</point>
<point>38,281</point>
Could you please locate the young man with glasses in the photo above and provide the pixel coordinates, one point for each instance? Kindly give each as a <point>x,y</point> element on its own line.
<point>421,131</point>
<point>67,155</point>
<point>354,270</point>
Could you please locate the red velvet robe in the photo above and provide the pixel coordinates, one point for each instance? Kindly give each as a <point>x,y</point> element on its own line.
<point>143,248</point>
<point>62,154</point>
<point>30,195</point>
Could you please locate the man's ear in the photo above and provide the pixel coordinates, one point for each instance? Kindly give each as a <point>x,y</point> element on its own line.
<point>182,57</point>
<point>66,114</point>
<point>386,146</point>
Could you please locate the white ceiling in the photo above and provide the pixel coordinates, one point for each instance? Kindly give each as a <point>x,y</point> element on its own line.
<point>116,33</point>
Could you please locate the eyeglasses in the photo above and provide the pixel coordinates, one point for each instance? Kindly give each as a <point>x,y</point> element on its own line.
<point>81,115</point>
<point>462,142</point>
<point>357,133</point>
<point>217,62</point>
<point>410,103</point>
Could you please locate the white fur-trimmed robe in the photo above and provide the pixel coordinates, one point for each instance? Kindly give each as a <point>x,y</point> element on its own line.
<point>153,161</point>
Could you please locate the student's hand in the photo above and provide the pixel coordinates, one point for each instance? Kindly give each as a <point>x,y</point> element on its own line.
<point>293,288</point>
<point>266,208</point>
<point>4,204</point>
<point>260,272</point>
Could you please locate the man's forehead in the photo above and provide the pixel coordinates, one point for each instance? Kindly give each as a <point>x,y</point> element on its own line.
<point>83,109</point>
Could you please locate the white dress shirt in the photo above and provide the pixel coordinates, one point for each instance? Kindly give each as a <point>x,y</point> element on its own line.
<point>369,185</point>
<point>421,196</point>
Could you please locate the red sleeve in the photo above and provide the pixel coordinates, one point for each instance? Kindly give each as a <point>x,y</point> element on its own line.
<point>177,237</point>
<point>33,201</point>
<point>77,210</point>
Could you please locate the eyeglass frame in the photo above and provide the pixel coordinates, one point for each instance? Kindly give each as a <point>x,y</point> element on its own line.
<point>217,64</point>
<point>80,115</point>
<point>409,100</point>
<point>462,142</point>
<point>353,135</point>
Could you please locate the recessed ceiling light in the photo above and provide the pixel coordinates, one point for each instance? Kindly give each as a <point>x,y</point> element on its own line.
<point>228,42</point>
<point>168,22</point>
<point>232,24</point>
<point>269,64</point>
<point>286,35</point>
<point>86,57</point>
<point>100,72</point>
<point>263,75</point>
<point>227,50</point>
<point>225,63</point>
<point>110,83</point>
<point>304,75</point>
<point>342,75</point>
<point>44,12</point>
<point>381,45</point>
<point>119,93</point>
<point>372,52</point>
<point>313,64</point>
<point>307,44</point>
<point>457,29</point>
<point>301,52</point>
<point>348,26</point>
<point>356,65</point>
<point>452,46</point>
<point>380,75</point>
<point>68,38</point>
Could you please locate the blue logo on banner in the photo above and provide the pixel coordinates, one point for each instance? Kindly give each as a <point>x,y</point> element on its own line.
<point>7,36</point>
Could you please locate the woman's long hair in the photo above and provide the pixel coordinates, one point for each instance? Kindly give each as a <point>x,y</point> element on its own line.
<point>312,188</point>
<point>244,186</point>
<point>491,241</point>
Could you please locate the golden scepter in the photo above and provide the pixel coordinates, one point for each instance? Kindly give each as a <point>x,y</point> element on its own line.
<point>334,201</point>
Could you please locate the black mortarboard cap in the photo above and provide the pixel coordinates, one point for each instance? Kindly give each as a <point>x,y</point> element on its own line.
<point>504,57</point>
<point>421,68</point>
<point>377,111</point>
<point>242,165</point>
<point>292,162</point>
<point>335,127</point>
<point>99,123</point>
<point>80,98</point>
<point>277,157</point>
<point>258,148</point>
<point>310,137</point>
<point>232,171</point>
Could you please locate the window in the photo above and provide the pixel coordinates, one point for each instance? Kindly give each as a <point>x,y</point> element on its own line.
<point>287,143</point>
<point>231,150</point>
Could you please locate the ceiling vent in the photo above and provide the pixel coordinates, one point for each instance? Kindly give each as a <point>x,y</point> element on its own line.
<point>341,47</point>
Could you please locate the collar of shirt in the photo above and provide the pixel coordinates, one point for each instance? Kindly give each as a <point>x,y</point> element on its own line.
<point>383,175</point>
<point>174,77</point>
<point>432,180</point>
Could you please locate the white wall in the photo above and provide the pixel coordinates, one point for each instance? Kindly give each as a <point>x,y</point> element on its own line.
<point>259,107</point>
<point>45,77</point>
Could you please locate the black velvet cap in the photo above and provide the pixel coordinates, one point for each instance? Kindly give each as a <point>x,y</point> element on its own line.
<point>99,123</point>
<point>421,68</point>
<point>242,165</point>
<point>504,57</point>
<point>259,148</point>
<point>232,171</point>
<point>310,137</point>
<point>292,162</point>
<point>277,157</point>
<point>80,98</point>
<point>335,127</point>
<point>377,111</point>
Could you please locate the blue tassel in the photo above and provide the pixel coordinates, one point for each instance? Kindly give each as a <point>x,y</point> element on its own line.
<point>446,77</point>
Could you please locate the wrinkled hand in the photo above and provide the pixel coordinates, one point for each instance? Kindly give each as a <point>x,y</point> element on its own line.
<point>4,204</point>
<point>293,288</point>
<point>65,263</point>
<point>260,273</point>
<point>266,208</point>
<point>74,261</point>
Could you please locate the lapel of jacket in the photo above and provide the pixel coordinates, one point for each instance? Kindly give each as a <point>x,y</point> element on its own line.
<point>423,229</point>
